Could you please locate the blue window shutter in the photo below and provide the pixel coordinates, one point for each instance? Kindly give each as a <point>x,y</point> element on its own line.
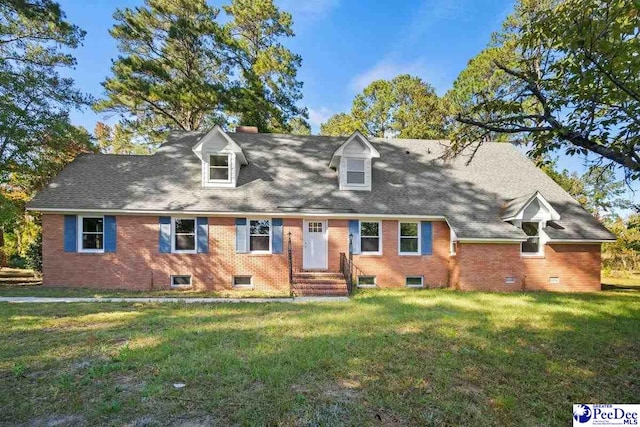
<point>427,238</point>
<point>277,232</point>
<point>70,233</point>
<point>165,234</point>
<point>241,235</point>
<point>354,230</point>
<point>202,224</point>
<point>109,233</point>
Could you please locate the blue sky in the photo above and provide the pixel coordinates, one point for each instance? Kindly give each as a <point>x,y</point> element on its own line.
<point>345,45</point>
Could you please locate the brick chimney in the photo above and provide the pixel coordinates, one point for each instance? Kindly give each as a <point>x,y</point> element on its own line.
<point>246,129</point>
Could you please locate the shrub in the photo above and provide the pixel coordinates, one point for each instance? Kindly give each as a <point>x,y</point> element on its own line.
<point>33,254</point>
<point>16,261</point>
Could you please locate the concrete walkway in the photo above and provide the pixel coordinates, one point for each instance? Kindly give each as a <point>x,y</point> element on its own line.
<point>296,300</point>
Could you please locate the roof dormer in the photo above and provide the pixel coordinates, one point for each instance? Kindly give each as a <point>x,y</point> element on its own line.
<point>352,161</point>
<point>221,159</point>
<point>532,207</point>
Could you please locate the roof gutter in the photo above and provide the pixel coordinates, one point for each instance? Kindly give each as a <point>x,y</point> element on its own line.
<point>297,214</point>
<point>490,240</point>
<point>581,241</point>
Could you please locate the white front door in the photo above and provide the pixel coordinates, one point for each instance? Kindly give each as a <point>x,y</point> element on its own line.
<point>315,254</point>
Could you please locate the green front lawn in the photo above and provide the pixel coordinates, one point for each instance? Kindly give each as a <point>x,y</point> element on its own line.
<point>386,358</point>
<point>43,291</point>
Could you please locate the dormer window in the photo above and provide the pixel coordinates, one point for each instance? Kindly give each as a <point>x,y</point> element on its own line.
<point>531,213</point>
<point>353,161</point>
<point>355,172</point>
<point>221,159</point>
<point>219,168</point>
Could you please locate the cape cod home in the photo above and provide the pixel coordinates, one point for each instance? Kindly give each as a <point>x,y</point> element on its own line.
<point>242,210</point>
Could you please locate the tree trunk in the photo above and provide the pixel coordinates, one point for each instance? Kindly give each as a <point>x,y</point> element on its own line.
<point>3,257</point>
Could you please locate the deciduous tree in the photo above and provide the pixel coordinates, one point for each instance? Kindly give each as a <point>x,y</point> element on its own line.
<point>35,132</point>
<point>404,107</point>
<point>563,75</point>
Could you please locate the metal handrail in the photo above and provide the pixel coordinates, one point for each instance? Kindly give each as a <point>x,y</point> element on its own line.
<point>346,266</point>
<point>290,261</point>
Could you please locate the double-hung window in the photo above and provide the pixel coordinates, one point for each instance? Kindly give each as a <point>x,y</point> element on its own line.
<point>219,167</point>
<point>184,235</point>
<point>370,237</point>
<point>260,235</point>
<point>409,238</point>
<point>91,234</point>
<point>355,171</point>
<point>532,245</point>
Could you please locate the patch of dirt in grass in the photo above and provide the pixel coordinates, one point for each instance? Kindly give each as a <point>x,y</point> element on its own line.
<point>57,421</point>
<point>203,421</point>
<point>129,383</point>
<point>387,418</point>
<point>344,390</point>
<point>145,421</point>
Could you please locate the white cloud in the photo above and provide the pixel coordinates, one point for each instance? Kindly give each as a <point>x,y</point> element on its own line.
<point>319,116</point>
<point>308,10</point>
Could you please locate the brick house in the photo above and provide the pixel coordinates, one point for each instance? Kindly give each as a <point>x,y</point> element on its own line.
<point>222,210</point>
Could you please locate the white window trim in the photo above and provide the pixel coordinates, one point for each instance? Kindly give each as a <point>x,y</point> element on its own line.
<point>270,235</point>
<point>181,286</point>
<point>364,172</point>
<point>419,251</point>
<point>379,251</point>
<point>249,286</point>
<point>540,241</point>
<point>453,242</point>
<point>80,232</point>
<point>421,285</point>
<point>375,281</point>
<point>206,171</point>
<point>229,168</point>
<point>173,237</point>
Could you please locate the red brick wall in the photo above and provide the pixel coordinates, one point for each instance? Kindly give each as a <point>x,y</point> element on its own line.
<point>485,266</point>
<point>390,268</point>
<point>138,264</point>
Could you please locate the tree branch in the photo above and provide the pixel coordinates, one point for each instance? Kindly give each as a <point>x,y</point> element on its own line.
<point>501,129</point>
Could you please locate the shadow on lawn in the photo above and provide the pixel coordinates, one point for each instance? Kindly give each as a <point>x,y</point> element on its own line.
<point>612,287</point>
<point>429,357</point>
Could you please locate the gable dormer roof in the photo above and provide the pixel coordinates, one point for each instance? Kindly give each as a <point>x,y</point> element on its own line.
<point>219,141</point>
<point>523,208</point>
<point>356,137</point>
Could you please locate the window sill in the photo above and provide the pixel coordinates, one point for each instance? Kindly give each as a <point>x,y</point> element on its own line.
<point>367,286</point>
<point>90,252</point>
<point>370,254</point>
<point>532,256</point>
<point>243,287</point>
<point>184,252</point>
<point>181,287</point>
<point>409,254</point>
<point>260,253</point>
